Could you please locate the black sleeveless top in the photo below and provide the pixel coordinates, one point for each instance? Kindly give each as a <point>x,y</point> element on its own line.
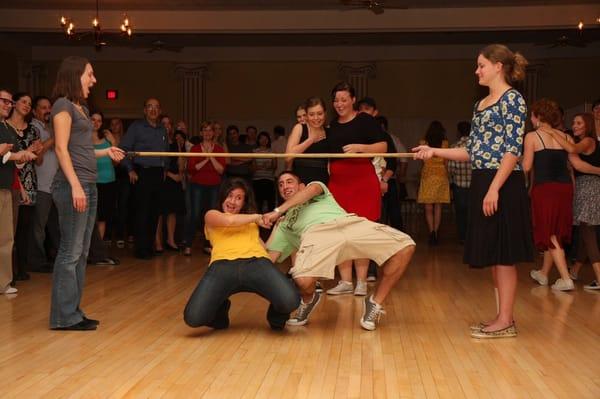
<point>550,165</point>
<point>312,169</point>
<point>593,159</point>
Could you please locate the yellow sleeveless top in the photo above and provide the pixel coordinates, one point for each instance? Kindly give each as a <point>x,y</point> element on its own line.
<point>238,242</point>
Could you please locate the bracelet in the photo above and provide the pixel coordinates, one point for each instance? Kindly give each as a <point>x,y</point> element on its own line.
<point>278,211</point>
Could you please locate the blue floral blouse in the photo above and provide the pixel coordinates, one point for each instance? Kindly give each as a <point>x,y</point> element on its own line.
<point>496,130</point>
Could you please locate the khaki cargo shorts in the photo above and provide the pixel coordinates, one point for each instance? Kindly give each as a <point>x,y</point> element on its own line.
<point>326,245</point>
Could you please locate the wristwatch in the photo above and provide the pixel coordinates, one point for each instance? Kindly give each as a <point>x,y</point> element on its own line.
<point>278,211</point>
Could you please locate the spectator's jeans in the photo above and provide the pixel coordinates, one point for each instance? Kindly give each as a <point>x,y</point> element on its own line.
<point>201,198</point>
<point>461,208</point>
<point>224,278</point>
<point>6,238</point>
<point>36,257</point>
<point>69,268</point>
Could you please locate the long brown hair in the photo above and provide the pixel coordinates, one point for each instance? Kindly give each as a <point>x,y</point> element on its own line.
<point>513,64</point>
<point>68,79</point>
<point>231,184</point>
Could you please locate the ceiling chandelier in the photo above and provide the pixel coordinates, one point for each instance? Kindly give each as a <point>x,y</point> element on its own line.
<point>68,27</point>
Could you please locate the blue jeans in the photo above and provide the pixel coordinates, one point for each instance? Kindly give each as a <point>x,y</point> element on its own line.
<point>201,198</point>
<point>227,277</point>
<point>69,267</point>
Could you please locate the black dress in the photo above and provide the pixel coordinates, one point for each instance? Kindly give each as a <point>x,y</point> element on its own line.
<point>172,197</point>
<point>312,169</point>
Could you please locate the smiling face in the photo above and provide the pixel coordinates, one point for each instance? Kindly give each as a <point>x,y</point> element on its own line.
<point>87,80</point>
<point>116,126</point>
<point>234,202</point>
<point>42,110</point>
<point>288,185</point>
<point>6,104</point>
<point>579,127</point>
<point>301,116</point>
<point>23,106</point>
<point>487,71</point>
<point>343,103</point>
<point>96,121</point>
<point>315,116</point>
<point>208,133</point>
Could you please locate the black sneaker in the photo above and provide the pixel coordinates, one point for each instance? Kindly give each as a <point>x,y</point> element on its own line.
<point>83,325</point>
<point>592,286</point>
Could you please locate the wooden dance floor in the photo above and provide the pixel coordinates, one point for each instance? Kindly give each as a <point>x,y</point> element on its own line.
<point>421,349</point>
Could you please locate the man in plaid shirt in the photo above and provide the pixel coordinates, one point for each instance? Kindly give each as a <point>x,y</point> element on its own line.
<point>460,179</point>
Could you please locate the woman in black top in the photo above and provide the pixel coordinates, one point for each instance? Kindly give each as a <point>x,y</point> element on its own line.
<point>586,207</point>
<point>353,181</point>
<point>310,137</point>
<point>551,194</point>
<point>172,197</point>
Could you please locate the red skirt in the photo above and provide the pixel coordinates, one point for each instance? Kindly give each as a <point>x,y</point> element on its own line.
<point>551,214</point>
<point>355,187</point>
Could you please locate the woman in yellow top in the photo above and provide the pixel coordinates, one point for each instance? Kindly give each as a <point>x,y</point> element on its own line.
<point>238,263</point>
<point>434,189</point>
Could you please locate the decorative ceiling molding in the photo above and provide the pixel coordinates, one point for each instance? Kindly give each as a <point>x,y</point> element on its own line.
<point>286,21</point>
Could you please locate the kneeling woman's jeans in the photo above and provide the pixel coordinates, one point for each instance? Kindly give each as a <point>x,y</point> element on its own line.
<point>227,277</point>
<point>69,267</point>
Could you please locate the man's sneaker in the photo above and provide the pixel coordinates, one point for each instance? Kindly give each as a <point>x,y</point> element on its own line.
<point>592,286</point>
<point>563,285</point>
<point>371,313</point>
<point>361,288</point>
<point>539,277</point>
<point>318,287</point>
<point>304,311</point>
<point>342,287</point>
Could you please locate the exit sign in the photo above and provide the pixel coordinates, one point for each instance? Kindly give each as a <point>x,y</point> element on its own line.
<point>112,94</point>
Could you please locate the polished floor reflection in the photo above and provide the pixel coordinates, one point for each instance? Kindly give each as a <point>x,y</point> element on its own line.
<point>421,349</point>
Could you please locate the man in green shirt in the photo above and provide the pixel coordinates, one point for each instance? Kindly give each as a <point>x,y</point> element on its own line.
<point>324,235</point>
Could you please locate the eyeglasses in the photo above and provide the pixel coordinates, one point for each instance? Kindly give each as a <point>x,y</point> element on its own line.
<point>7,101</point>
<point>152,106</point>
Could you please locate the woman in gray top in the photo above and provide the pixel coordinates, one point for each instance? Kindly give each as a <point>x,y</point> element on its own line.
<point>74,191</point>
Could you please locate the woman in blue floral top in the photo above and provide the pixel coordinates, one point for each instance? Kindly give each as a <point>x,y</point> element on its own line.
<point>499,227</point>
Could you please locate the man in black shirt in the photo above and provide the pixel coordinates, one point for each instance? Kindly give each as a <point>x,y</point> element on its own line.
<point>146,173</point>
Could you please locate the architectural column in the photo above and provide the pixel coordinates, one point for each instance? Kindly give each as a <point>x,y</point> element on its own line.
<point>193,94</point>
<point>32,77</point>
<point>358,75</point>
<point>532,81</point>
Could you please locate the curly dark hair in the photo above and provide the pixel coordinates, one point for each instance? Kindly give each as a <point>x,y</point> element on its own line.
<point>547,111</point>
<point>231,184</point>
